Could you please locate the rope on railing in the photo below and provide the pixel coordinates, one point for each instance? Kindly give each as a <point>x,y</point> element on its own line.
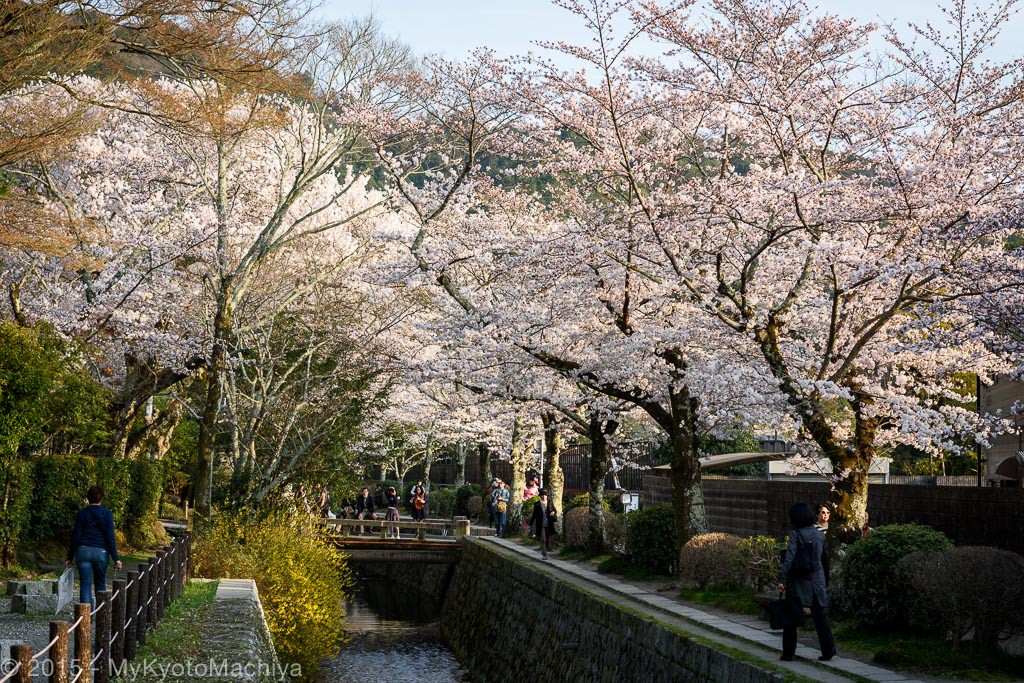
<point>10,674</point>
<point>47,648</point>
<point>96,658</point>
<point>72,627</point>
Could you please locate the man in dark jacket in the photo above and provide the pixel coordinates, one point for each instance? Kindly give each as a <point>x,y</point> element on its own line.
<point>364,507</point>
<point>543,521</point>
<point>92,545</point>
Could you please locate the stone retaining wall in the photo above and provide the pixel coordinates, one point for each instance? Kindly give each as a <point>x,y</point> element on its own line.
<point>502,618</point>
<point>237,645</point>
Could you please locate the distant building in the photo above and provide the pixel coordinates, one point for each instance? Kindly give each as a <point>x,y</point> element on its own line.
<point>1004,461</point>
<point>789,470</point>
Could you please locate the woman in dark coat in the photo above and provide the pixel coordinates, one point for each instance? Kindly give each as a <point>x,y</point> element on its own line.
<point>809,587</point>
<point>543,521</point>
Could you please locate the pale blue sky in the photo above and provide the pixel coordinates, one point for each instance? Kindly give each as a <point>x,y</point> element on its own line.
<point>453,27</point>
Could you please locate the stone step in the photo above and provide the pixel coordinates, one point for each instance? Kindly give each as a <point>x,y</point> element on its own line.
<point>33,604</point>
<point>23,587</point>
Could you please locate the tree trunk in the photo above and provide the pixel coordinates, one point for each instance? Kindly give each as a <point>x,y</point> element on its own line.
<point>851,491</point>
<point>460,465</point>
<point>484,456</point>
<point>214,392</point>
<point>687,497</point>
<point>428,462</point>
<point>598,434</point>
<point>520,455</point>
<point>554,478</point>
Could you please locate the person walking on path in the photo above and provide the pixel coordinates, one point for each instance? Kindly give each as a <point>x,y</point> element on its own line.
<point>499,500</point>
<point>419,504</point>
<point>391,496</point>
<point>543,521</point>
<point>803,577</point>
<point>93,545</point>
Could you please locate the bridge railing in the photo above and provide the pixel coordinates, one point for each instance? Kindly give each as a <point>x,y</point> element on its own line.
<point>345,528</point>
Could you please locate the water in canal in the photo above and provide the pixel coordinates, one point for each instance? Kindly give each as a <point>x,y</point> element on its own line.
<point>395,637</point>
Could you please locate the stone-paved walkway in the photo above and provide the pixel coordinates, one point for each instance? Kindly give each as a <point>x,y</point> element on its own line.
<point>747,633</point>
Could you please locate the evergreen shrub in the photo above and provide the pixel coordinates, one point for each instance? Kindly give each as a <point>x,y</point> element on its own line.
<point>968,591</point>
<point>867,586</point>
<point>651,538</point>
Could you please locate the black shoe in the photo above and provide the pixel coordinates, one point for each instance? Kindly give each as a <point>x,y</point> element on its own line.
<point>786,659</point>
<point>826,657</point>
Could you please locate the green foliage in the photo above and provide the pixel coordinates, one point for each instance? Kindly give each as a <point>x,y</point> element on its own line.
<point>131,491</point>
<point>650,538</point>
<point>867,586</point>
<point>760,558</point>
<point>575,526</point>
<point>710,560</point>
<point>968,591</point>
<point>735,599</point>
<point>14,514</point>
<point>47,399</point>
<point>143,504</point>
<point>582,500</point>
<point>623,566</point>
<point>462,496</point>
<point>302,579</point>
<point>59,492</point>
<point>441,502</point>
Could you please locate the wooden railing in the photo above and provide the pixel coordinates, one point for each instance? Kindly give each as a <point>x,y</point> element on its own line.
<point>122,618</point>
<point>347,528</point>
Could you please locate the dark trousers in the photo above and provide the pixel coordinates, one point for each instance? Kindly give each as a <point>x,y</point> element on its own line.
<point>825,641</point>
<point>543,538</point>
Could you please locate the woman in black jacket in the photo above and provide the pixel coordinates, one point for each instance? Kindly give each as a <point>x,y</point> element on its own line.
<point>93,545</point>
<point>803,576</point>
<point>543,521</point>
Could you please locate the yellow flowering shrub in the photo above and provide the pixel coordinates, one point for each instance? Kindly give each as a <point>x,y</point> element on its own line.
<point>301,578</point>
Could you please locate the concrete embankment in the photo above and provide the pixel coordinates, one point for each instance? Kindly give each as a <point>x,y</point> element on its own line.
<point>501,615</point>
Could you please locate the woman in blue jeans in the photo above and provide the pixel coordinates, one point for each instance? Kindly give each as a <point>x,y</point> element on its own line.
<point>92,545</point>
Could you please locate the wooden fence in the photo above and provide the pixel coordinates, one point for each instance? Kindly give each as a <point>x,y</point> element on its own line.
<point>122,618</point>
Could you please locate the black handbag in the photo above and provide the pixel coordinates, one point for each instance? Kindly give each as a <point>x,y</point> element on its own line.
<point>786,612</point>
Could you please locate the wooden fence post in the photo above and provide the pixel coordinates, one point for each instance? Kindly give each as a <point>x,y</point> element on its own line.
<point>165,573</point>
<point>461,528</point>
<point>142,612</point>
<point>131,620</point>
<point>117,622</point>
<point>103,636</point>
<point>59,652</point>
<point>83,642</point>
<point>22,654</point>
<point>152,573</point>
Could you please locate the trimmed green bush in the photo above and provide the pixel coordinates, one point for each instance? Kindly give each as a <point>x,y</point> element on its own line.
<point>651,538</point>
<point>462,496</point>
<point>441,502</point>
<point>574,527</point>
<point>867,586</point>
<point>710,560</point>
<point>971,590</point>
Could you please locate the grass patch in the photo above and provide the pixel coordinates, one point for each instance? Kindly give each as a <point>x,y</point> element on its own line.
<point>626,569</point>
<point>739,600</point>
<point>930,655</point>
<point>177,638</point>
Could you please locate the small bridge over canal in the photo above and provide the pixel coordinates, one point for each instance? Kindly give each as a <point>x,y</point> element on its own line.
<point>381,541</point>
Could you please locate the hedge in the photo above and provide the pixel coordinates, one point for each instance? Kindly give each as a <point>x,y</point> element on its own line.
<point>131,491</point>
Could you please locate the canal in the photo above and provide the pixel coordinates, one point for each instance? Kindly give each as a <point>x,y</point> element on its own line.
<point>395,636</point>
